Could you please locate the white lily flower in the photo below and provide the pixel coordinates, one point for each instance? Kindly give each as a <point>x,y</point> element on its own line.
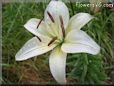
<point>59,34</point>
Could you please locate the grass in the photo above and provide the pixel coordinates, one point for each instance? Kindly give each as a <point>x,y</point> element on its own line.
<point>36,70</point>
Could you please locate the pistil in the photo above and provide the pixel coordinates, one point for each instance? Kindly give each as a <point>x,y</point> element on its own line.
<point>62,26</point>
<point>53,40</point>
<point>50,16</point>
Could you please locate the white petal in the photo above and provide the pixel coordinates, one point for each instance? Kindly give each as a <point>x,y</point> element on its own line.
<point>33,48</point>
<point>57,63</point>
<point>32,24</point>
<point>79,20</point>
<point>79,42</point>
<point>56,9</point>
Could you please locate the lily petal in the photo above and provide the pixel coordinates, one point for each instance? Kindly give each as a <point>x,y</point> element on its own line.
<point>79,20</point>
<point>80,42</point>
<point>57,63</point>
<point>57,9</point>
<point>33,48</point>
<point>32,26</point>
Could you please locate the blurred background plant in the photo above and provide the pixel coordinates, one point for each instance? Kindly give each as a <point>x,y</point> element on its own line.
<point>81,68</point>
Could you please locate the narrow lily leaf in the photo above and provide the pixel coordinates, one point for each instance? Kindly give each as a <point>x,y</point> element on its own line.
<point>57,63</point>
<point>33,48</point>
<point>78,42</point>
<point>56,9</point>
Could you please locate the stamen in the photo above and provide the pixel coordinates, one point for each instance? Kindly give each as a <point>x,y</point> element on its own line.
<point>62,26</point>
<point>39,23</point>
<point>53,39</point>
<point>39,38</point>
<point>50,16</point>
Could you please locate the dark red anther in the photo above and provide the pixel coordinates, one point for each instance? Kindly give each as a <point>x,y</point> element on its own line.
<point>52,41</point>
<point>62,26</point>
<point>39,23</point>
<point>50,16</point>
<point>39,39</point>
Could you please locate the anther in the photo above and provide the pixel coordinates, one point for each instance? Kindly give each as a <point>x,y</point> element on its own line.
<point>62,26</point>
<point>53,40</point>
<point>50,16</point>
<point>39,38</point>
<point>39,23</point>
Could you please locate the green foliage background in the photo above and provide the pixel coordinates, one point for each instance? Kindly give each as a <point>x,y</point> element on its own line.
<point>81,68</point>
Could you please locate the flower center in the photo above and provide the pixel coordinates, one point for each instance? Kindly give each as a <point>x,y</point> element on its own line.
<point>56,29</point>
